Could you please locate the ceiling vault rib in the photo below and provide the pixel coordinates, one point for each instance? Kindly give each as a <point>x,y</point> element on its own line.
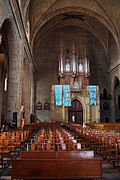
<point>37,26</point>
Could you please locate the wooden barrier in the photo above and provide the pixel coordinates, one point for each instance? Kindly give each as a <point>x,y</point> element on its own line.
<point>105,126</point>
<point>56,155</point>
<point>56,165</point>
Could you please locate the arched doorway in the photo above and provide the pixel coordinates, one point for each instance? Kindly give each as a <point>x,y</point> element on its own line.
<point>75,112</point>
<point>117,99</point>
<point>4,70</point>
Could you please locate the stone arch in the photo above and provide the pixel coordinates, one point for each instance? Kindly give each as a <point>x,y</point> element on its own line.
<point>81,100</point>
<point>26,6</point>
<point>3,84</point>
<point>28,30</point>
<point>75,112</point>
<point>42,35</point>
<point>6,32</point>
<point>46,17</point>
<point>12,48</point>
<point>27,22</point>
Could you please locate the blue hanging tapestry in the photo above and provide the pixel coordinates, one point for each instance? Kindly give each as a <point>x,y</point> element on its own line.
<point>92,95</point>
<point>58,95</point>
<point>67,97</point>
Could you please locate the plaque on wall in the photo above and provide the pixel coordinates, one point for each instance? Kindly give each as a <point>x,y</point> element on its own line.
<point>39,106</point>
<point>46,106</point>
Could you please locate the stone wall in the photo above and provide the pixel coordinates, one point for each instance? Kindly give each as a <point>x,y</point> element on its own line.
<point>14,48</point>
<point>47,58</point>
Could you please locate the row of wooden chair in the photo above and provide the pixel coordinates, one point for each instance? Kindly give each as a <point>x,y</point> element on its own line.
<point>53,137</point>
<point>11,142</point>
<point>104,143</point>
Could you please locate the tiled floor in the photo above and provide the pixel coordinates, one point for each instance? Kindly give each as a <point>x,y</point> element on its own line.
<point>109,172</point>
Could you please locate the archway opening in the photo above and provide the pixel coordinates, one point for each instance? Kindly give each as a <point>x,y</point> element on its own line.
<point>3,90</point>
<point>75,112</point>
<point>117,99</point>
<point>4,51</point>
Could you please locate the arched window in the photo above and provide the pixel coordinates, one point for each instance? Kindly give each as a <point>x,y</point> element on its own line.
<point>28,31</point>
<point>5,83</point>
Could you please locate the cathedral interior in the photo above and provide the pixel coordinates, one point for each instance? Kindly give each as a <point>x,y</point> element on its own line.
<point>44,43</point>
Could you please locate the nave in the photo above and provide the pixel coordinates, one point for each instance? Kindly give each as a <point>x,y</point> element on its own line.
<point>46,140</point>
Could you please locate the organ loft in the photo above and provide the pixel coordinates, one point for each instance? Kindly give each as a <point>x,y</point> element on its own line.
<point>74,70</point>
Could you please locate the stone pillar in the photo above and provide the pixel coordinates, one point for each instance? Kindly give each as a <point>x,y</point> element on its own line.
<point>19,78</point>
<point>52,105</point>
<point>31,90</point>
<point>119,71</point>
<point>26,88</point>
<point>1,91</point>
<point>14,79</point>
<point>95,109</point>
<point>112,93</point>
<point>88,113</point>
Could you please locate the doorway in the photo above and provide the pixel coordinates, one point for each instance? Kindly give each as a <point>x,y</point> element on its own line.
<point>75,112</point>
<point>117,99</point>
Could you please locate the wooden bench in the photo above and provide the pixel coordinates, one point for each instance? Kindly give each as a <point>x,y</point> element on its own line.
<point>56,165</point>
<point>38,155</point>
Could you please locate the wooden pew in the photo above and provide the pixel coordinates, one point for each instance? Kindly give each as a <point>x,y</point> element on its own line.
<point>79,168</point>
<point>34,169</point>
<point>56,155</point>
<point>37,155</point>
<point>56,165</point>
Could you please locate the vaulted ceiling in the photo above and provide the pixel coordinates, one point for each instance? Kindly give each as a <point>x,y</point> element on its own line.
<point>100,18</point>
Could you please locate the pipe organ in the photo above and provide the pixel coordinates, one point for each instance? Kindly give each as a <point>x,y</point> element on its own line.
<point>74,69</point>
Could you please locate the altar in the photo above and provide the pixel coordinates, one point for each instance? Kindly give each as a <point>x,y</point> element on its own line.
<point>76,114</point>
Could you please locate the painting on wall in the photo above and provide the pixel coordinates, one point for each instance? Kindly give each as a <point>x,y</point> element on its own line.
<point>39,106</point>
<point>46,105</point>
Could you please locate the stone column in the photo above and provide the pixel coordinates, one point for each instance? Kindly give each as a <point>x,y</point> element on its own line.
<point>19,78</point>
<point>14,79</point>
<point>31,90</point>
<point>1,91</point>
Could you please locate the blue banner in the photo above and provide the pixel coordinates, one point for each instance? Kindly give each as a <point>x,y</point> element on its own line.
<point>67,97</point>
<point>92,95</point>
<point>58,95</point>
